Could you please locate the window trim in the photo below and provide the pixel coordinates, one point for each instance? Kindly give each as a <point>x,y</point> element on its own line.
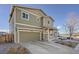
<point>23,11</point>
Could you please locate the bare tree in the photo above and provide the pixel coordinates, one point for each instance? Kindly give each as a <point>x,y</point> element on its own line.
<point>71,25</point>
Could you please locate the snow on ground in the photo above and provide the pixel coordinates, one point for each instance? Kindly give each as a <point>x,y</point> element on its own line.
<point>39,47</point>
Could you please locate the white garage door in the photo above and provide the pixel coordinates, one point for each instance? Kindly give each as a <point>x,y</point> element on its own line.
<point>28,36</point>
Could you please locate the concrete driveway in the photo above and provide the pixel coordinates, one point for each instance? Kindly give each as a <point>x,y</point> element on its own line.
<point>39,47</point>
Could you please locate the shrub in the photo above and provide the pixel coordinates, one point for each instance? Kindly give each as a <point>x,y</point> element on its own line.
<point>18,50</point>
<point>12,50</point>
<point>23,51</point>
<point>70,44</point>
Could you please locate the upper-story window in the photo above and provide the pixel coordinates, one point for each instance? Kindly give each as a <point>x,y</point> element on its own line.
<point>48,22</point>
<point>24,15</point>
<point>38,19</point>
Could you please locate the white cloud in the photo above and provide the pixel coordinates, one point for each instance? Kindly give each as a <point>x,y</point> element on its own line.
<point>58,27</point>
<point>4,30</point>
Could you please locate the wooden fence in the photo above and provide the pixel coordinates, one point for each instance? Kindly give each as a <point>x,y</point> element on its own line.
<point>5,38</point>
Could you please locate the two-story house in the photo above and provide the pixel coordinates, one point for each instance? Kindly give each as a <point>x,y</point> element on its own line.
<point>30,24</point>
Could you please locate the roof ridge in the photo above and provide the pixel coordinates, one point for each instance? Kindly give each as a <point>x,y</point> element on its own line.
<point>26,7</point>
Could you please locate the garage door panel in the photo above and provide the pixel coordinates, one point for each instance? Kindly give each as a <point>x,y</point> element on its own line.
<point>29,36</point>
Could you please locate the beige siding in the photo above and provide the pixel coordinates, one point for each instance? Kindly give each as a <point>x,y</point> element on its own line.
<point>38,12</point>
<point>11,25</point>
<point>46,24</point>
<point>32,19</point>
<point>29,36</point>
<point>22,27</point>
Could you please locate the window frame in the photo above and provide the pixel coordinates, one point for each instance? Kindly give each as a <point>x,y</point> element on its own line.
<point>23,11</point>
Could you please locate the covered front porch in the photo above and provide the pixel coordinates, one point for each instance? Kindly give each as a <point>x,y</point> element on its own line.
<point>48,34</point>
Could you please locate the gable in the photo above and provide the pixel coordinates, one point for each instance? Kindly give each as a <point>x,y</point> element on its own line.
<point>32,20</point>
<point>35,11</point>
<point>38,12</point>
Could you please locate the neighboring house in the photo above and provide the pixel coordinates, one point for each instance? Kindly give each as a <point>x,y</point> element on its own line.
<point>76,35</point>
<point>30,24</point>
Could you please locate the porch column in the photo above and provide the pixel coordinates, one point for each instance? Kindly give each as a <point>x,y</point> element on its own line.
<point>18,37</point>
<point>48,34</point>
<point>40,36</point>
<point>15,26</point>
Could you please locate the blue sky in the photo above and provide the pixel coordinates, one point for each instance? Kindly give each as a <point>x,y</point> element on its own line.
<point>58,12</point>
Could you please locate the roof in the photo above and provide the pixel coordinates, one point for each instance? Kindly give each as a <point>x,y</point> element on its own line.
<point>49,17</point>
<point>34,10</point>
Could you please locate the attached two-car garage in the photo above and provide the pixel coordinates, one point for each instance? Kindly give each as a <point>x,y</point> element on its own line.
<point>25,36</point>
